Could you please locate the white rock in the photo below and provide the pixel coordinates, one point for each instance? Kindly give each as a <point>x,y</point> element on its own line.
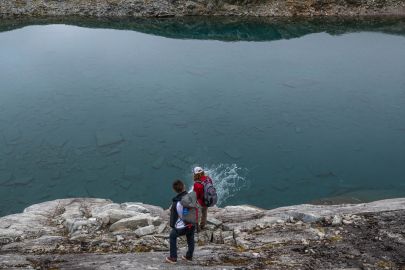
<point>145,230</point>
<point>214,221</point>
<point>119,238</point>
<point>347,222</point>
<point>239,213</point>
<point>161,228</point>
<point>135,207</point>
<point>133,223</point>
<point>337,220</point>
<point>145,208</point>
<point>100,209</point>
<point>217,237</point>
<point>321,235</point>
<point>114,215</point>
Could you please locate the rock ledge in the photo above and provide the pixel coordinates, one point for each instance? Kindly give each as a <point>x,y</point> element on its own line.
<point>110,235</point>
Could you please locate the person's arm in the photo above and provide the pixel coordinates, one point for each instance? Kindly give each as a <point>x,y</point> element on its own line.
<point>199,191</point>
<point>179,209</point>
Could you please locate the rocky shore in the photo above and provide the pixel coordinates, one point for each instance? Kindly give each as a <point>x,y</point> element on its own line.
<point>85,233</point>
<point>167,8</point>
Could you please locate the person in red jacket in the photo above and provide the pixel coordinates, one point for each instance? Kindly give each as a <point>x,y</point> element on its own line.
<point>199,177</point>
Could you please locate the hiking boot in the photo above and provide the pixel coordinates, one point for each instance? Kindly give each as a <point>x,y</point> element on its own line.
<point>171,260</point>
<point>187,258</point>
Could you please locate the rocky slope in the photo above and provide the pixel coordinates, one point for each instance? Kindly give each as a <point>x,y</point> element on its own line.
<point>164,8</point>
<point>86,233</point>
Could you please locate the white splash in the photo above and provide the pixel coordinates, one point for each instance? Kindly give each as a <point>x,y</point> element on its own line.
<point>229,179</point>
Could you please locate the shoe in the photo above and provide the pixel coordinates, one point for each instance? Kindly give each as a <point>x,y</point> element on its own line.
<point>186,258</point>
<point>171,260</point>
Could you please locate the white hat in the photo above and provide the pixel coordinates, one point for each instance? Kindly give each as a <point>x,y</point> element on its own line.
<point>198,170</point>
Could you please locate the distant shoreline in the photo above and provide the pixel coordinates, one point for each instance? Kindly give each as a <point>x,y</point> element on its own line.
<point>174,8</point>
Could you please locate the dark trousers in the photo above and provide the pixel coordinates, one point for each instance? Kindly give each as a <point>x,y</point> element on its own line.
<point>204,213</point>
<point>189,232</point>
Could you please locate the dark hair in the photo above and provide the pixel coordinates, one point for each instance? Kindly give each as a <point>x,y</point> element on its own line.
<point>198,176</point>
<point>178,186</point>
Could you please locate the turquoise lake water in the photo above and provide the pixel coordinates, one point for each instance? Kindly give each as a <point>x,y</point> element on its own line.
<point>278,112</point>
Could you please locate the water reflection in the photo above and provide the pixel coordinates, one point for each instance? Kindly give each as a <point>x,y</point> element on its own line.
<point>227,28</point>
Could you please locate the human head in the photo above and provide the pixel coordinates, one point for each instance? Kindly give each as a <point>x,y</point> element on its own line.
<point>178,186</point>
<point>198,173</point>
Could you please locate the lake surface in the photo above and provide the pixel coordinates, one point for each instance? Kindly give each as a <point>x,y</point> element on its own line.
<point>278,112</point>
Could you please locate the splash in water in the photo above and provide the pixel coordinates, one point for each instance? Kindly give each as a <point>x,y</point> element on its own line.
<point>228,179</point>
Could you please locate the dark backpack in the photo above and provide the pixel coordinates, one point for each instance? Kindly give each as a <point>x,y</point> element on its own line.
<point>190,210</point>
<point>210,193</point>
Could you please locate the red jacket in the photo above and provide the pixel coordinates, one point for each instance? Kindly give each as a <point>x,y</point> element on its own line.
<point>199,190</point>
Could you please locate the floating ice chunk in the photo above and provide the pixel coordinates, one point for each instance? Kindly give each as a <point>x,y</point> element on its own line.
<point>22,180</point>
<point>287,164</point>
<point>132,172</point>
<point>5,177</point>
<point>280,184</point>
<point>56,175</point>
<point>177,163</point>
<point>325,174</point>
<point>11,135</point>
<point>190,160</point>
<point>57,140</point>
<point>125,183</point>
<point>113,151</point>
<point>108,137</point>
<point>181,124</point>
<point>233,153</point>
<point>300,83</point>
<point>158,163</point>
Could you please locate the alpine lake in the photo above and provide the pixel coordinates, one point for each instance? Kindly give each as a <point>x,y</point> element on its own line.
<point>278,111</point>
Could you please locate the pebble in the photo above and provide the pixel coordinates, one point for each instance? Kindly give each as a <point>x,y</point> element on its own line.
<point>119,238</point>
<point>304,242</point>
<point>337,220</point>
<point>233,153</point>
<point>159,162</point>
<point>105,245</point>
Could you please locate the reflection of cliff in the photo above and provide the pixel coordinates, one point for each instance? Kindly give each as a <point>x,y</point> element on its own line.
<point>228,29</point>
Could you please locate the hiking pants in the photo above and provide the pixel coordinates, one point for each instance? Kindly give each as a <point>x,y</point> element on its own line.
<point>189,232</point>
<point>204,213</point>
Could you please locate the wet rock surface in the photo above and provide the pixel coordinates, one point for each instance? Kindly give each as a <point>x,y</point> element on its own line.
<point>86,233</point>
<point>165,8</point>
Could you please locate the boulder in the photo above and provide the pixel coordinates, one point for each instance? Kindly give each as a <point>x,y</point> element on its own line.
<point>82,224</point>
<point>231,214</point>
<point>144,208</point>
<point>161,228</point>
<point>135,207</point>
<point>95,211</point>
<point>113,215</point>
<point>145,230</point>
<point>133,223</point>
<point>214,221</point>
<point>217,237</point>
